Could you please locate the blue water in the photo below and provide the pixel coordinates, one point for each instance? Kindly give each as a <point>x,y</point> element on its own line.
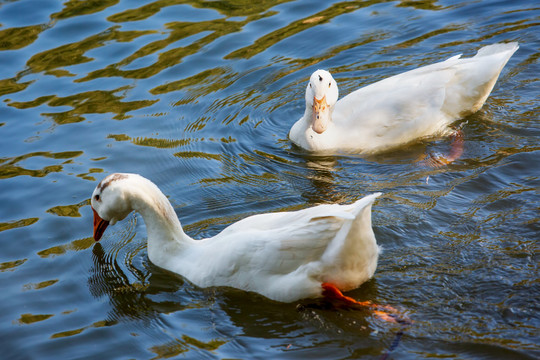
<point>198,96</point>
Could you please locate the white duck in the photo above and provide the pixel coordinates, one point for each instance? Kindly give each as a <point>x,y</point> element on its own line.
<point>284,256</point>
<point>399,109</point>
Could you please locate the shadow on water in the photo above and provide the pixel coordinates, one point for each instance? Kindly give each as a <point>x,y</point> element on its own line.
<point>131,298</point>
<point>155,296</point>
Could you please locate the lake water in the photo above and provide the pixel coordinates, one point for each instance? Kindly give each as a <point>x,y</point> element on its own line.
<point>199,96</point>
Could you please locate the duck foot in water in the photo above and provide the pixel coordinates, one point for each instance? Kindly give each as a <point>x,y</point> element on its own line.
<point>384,312</point>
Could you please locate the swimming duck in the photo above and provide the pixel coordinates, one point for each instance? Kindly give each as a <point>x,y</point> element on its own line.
<point>285,256</point>
<point>397,110</point>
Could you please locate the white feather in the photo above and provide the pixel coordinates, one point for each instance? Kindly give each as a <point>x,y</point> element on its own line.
<point>404,107</point>
<point>284,256</point>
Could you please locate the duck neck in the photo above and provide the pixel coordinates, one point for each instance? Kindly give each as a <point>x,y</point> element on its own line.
<point>308,115</point>
<point>166,238</point>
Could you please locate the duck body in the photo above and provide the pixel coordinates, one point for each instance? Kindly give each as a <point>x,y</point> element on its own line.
<point>284,256</point>
<point>400,109</point>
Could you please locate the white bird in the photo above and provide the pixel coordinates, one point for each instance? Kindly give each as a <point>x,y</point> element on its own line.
<point>397,110</point>
<point>285,256</point>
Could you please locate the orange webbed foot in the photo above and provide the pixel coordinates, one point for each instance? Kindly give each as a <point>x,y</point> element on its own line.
<point>456,150</point>
<point>384,312</point>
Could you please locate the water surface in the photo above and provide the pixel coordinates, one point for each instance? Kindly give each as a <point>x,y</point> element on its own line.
<point>199,97</point>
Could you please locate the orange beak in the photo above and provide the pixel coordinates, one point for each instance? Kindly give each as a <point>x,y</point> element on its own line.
<point>321,115</point>
<point>99,226</point>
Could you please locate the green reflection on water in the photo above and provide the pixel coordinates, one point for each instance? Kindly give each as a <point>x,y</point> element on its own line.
<point>76,8</point>
<point>89,102</point>
<point>160,143</point>
<point>26,319</point>
<point>11,265</point>
<point>75,245</point>
<point>169,58</point>
<point>197,154</point>
<point>230,8</point>
<point>498,29</point>
<point>8,169</point>
<point>8,86</point>
<point>68,333</point>
<point>151,142</point>
<point>119,137</point>
<point>421,4</point>
<point>295,27</point>
<point>181,30</point>
<point>17,224</point>
<point>73,53</point>
<point>86,176</point>
<point>19,37</point>
<point>58,155</point>
<point>40,285</point>
<point>59,73</point>
<point>428,35</point>
<point>180,346</point>
<point>204,77</point>
<point>68,210</point>
<point>33,103</point>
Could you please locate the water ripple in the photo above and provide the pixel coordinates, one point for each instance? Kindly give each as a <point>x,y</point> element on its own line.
<point>199,96</point>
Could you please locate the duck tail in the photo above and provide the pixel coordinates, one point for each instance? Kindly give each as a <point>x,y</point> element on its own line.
<point>364,203</point>
<point>355,237</point>
<point>508,48</point>
<point>490,61</point>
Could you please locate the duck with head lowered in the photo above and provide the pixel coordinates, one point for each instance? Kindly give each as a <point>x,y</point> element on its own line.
<point>400,109</point>
<point>285,256</point>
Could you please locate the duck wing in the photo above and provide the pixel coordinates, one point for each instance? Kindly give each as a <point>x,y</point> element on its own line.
<point>286,256</point>
<point>421,102</point>
<point>279,243</point>
<point>395,110</point>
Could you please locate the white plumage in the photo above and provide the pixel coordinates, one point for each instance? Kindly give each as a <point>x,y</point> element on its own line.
<point>284,256</point>
<point>399,109</point>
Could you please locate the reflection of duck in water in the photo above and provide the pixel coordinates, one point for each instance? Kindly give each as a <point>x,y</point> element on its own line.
<point>317,180</point>
<point>131,299</point>
<point>287,256</point>
<point>399,109</point>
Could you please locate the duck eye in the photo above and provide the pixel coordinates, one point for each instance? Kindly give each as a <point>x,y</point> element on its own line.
<point>309,84</point>
<point>329,84</point>
<point>96,197</point>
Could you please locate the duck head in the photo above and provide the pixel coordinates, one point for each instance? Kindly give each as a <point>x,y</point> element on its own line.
<point>110,202</point>
<point>321,96</point>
